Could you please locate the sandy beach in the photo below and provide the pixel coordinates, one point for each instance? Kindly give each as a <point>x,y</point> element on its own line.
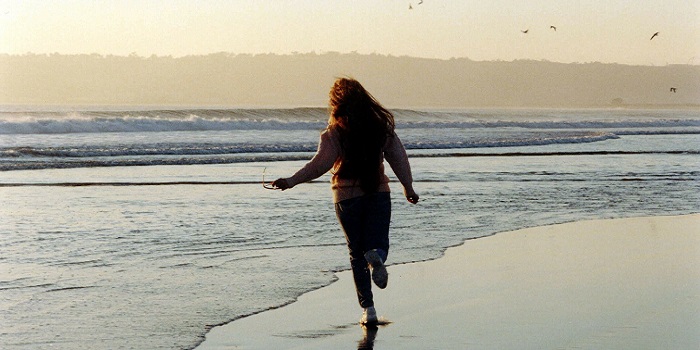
<point>604,284</point>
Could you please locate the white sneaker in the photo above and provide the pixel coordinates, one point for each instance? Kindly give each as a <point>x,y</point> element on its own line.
<point>379,274</point>
<point>369,316</point>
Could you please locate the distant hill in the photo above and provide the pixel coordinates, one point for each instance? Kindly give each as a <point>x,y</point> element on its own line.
<point>228,80</point>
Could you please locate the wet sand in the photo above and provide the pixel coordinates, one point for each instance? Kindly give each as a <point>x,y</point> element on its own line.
<point>604,284</point>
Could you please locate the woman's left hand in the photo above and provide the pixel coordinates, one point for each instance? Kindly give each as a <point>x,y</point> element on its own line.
<point>281,183</point>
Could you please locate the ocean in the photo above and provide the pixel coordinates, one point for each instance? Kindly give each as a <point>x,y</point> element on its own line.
<point>142,228</point>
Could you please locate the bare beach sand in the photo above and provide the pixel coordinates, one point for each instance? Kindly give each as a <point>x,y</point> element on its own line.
<point>604,284</point>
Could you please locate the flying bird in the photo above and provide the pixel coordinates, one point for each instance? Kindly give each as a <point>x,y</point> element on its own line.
<point>654,36</point>
<point>410,7</point>
<point>553,27</point>
<point>525,31</point>
<point>673,90</point>
<point>420,2</point>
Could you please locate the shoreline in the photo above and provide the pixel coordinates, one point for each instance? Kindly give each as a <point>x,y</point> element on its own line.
<point>541,287</point>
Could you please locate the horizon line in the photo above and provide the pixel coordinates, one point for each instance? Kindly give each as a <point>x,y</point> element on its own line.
<point>351,53</point>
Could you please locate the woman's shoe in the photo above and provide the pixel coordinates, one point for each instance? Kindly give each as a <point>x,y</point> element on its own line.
<point>369,316</point>
<point>379,274</point>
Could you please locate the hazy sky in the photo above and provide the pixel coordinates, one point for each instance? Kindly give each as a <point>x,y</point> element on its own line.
<point>587,30</point>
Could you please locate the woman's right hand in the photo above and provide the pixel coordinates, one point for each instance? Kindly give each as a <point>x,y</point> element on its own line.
<point>411,196</point>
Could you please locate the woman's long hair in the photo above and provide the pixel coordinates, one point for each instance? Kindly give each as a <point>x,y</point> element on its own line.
<point>363,125</point>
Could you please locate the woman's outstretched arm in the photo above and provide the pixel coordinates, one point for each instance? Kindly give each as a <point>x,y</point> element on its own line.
<point>326,155</point>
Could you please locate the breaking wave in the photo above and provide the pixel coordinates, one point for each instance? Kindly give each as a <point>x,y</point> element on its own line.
<point>287,119</point>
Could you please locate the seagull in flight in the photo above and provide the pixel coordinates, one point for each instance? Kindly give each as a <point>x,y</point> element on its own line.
<point>673,90</point>
<point>410,7</point>
<point>420,2</point>
<point>525,31</point>
<point>553,27</point>
<point>654,36</point>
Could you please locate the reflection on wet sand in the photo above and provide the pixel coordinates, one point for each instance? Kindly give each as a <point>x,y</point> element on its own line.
<point>367,342</point>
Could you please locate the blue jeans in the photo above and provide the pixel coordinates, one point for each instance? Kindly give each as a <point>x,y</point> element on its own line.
<point>365,222</point>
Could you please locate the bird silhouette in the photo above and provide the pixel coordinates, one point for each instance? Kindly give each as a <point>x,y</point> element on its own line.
<point>420,2</point>
<point>654,36</point>
<point>410,7</point>
<point>553,27</point>
<point>673,90</point>
<point>525,31</point>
